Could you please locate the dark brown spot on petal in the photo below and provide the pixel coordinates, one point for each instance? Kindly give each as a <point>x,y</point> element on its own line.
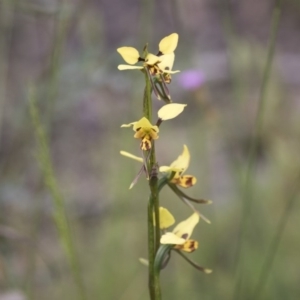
<point>184,236</point>
<point>138,129</point>
<point>192,245</point>
<point>189,181</point>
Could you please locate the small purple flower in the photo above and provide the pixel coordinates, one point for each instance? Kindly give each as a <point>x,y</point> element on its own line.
<point>191,79</point>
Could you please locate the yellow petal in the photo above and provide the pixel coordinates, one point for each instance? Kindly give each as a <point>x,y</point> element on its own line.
<point>171,72</point>
<point>127,154</point>
<point>166,219</point>
<point>185,228</point>
<point>168,44</point>
<point>152,59</point>
<point>166,63</point>
<point>129,54</point>
<point>127,67</point>
<point>128,125</point>
<point>183,160</point>
<point>165,169</point>
<point>171,238</point>
<point>171,111</point>
<point>142,123</point>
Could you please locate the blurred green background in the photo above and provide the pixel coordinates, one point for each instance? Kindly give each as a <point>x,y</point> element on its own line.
<point>65,49</point>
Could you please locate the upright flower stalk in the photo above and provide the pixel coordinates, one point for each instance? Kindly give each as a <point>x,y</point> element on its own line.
<point>157,71</point>
<point>153,202</point>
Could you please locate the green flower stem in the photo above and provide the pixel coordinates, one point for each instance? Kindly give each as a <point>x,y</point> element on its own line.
<point>153,206</point>
<point>153,183</point>
<point>147,103</point>
<point>151,249</point>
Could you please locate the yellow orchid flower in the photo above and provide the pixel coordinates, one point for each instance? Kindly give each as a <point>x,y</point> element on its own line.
<point>180,236</point>
<point>179,166</point>
<point>164,59</point>
<point>145,131</point>
<point>158,66</point>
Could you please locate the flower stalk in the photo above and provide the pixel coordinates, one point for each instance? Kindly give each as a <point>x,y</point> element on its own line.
<point>153,205</point>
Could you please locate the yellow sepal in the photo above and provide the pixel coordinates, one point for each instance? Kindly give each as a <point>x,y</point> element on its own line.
<point>142,123</point>
<point>166,219</point>
<point>128,125</point>
<point>185,228</point>
<point>166,63</point>
<point>171,111</point>
<point>127,154</point>
<point>152,59</point>
<point>168,44</point>
<point>129,54</point>
<point>183,160</point>
<point>127,67</point>
<point>172,239</point>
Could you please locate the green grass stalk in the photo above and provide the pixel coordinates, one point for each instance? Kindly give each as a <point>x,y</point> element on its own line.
<point>275,242</point>
<point>232,41</point>
<point>60,214</point>
<point>7,19</point>
<point>248,200</point>
<point>63,20</point>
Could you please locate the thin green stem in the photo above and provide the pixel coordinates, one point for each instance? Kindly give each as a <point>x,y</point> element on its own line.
<point>153,183</point>
<point>232,41</point>
<point>6,28</point>
<point>151,249</point>
<point>147,103</point>
<point>60,214</point>
<point>153,206</point>
<point>275,242</point>
<point>248,186</point>
<point>61,29</point>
